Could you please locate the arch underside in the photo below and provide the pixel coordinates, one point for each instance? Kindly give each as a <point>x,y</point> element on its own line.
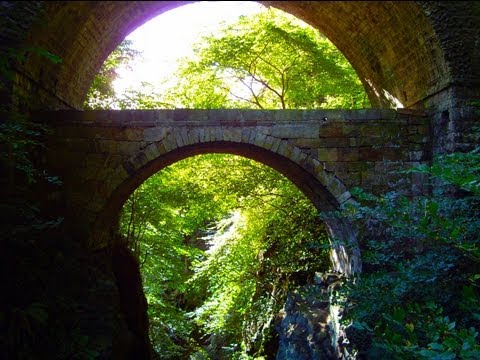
<point>305,181</point>
<point>391,45</point>
<point>343,260</point>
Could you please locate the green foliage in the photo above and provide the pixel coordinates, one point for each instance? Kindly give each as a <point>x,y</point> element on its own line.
<point>221,239</point>
<point>419,296</point>
<point>26,314</point>
<point>101,94</point>
<point>19,135</point>
<point>269,60</point>
<point>459,169</point>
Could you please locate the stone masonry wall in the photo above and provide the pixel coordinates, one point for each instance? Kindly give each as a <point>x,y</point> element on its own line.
<point>102,156</point>
<point>422,53</point>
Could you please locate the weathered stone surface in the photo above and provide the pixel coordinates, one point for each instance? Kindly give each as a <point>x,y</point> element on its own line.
<point>337,159</point>
<point>414,52</point>
<point>305,325</point>
<point>154,133</point>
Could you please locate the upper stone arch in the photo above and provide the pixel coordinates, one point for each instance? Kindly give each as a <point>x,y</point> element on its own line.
<point>398,48</point>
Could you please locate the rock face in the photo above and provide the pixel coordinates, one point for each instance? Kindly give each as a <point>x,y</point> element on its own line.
<point>133,304</point>
<point>61,301</point>
<point>306,324</point>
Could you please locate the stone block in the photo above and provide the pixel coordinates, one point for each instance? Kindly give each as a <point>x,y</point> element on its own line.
<point>395,154</point>
<point>233,134</point>
<point>334,130</point>
<point>184,135</point>
<point>325,177</point>
<point>344,197</point>
<point>416,156</point>
<point>285,149</point>
<point>179,139</point>
<point>331,166</point>
<point>151,152</point>
<point>139,160</point>
<point>212,133</point>
<point>327,154</point>
<point>297,154</point>
<point>251,137</point>
<point>75,145</point>
<point>370,154</point>
<point>267,130</point>
<point>117,176</point>
<point>219,134</point>
<point>133,134</point>
<point>161,147</point>
<point>246,135</point>
<point>259,139</point>
<point>348,154</point>
<point>268,142</point>
<point>336,187</point>
<point>276,144</point>
<point>127,147</point>
<point>351,129</point>
<point>193,136</point>
<point>418,139</point>
<point>317,166</point>
<point>308,143</point>
<point>294,131</point>
<point>154,134</point>
<point>170,143</point>
<point>370,141</point>
<point>201,135</point>
<point>206,135</point>
<point>106,146</point>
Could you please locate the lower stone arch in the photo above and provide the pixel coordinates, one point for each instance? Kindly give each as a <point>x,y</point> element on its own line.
<point>345,255</point>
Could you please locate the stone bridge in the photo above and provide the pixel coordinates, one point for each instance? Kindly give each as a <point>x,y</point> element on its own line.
<point>422,55</point>
<point>102,156</point>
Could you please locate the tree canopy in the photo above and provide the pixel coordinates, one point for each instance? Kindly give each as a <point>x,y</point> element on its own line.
<point>270,60</point>
<point>221,239</point>
<point>101,94</point>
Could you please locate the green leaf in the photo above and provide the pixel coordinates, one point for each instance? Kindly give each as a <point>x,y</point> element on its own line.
<point>47,54</point>
<point>435,346</point>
